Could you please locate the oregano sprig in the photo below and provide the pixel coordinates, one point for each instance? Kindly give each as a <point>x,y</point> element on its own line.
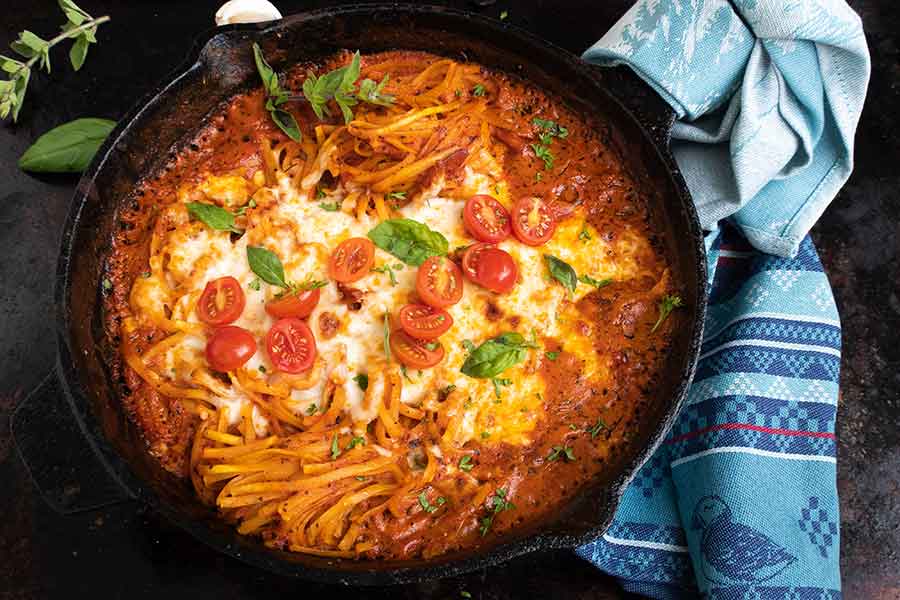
<point>276,97</point>
<point>34,50</point>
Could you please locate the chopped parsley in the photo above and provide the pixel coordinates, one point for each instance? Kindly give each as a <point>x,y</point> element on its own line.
<point>428,506</point>
<point>552,355</point>
<point>561,451</point>
<point>666,306</point>
<point>597,283</point>
<point>330,206</point>
<point>335,449</point>
<point>389,271</point>
<point>362,380</point>
<point>543,153</point>
<point>497,381</point>
<point>478,90</point>
<point>597,427</point>
<point>584,235</point>
<point>465,463</point>
<point>354,442</point>
<point>254,285</point>
<point>498,504</point>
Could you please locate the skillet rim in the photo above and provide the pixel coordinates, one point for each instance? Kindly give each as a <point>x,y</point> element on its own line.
<point>657,133</point>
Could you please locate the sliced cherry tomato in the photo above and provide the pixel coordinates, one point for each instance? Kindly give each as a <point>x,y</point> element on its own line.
<point>352,260</point>
<point>470,259</point>
<point>415,353</point>
<point>533,221</point>
<point>294,304</point>
<point>492,267</point>
<point>291,345</point>
<point>221,302</point>
<point>486,220</point>
<point>439,282</point>
<point>229,347</point>
<point>423,321</point>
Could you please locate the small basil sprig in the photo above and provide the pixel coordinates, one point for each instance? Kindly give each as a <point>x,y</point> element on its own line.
<point>214,217</point>
<point>496,355</point>
<point>267,266</point>
<point>276,97</point>
<point>410,241</point>
<point>597,283</point>
<point>68,148</point>
<point>340,85</point>
<point>562,272</point>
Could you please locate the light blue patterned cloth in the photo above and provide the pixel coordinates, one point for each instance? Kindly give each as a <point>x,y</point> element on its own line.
<point>768,94</point>
<point>740,501</point>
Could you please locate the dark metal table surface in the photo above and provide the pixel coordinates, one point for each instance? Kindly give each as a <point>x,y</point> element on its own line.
<point>127,551</point>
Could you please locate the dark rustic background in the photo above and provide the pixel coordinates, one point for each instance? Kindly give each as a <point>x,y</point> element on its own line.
<point>129,551</point>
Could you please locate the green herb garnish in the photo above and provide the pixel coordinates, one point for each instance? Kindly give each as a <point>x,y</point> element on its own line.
<point>498,504</point>
<point>495,355</point>
<point>543,153</point>
<point>499,382</point>
<point>596,428</point>
<point>410,241</point>
<point>562,272</point>
<point>559,451</point>
<point>335,449</point>
<point>354,442</point>
<point>362,380</point>
<point>478,90</point>
<point>68,148</point>
<point>388,270</point>
<point>465,463</point>
<point>552,355</point>
<point>311,409</point>
<point>597,283</point>
<point>80,27</point>
<point>666,306</point>
<point>276,97</point>
<point>330,206</point>
<point>267,266</point>
<point>427,506</point>
<point>214,217</point>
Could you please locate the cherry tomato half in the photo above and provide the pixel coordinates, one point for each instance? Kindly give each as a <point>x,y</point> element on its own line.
<point>415,353</point>
<point>485,219</point>
<point>221,302</point>
<point>291,345</point>
<point>470,259</point>
<point>533,221</point>
<point>229,347</point>
<point>439,282</point>
<point>352,260</point>
<point>490,267</point>
<point>423,321</point>
<point>294,304</point>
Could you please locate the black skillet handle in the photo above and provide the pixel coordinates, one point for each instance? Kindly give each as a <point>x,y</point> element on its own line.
<point>63,466</point>
<point>641,100</point>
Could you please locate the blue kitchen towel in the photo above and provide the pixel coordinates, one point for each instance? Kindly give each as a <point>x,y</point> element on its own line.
<point>767,94</point>
<point>740,501</point>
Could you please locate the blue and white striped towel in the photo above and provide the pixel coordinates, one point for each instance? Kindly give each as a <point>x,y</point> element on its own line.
<point>740,501</point>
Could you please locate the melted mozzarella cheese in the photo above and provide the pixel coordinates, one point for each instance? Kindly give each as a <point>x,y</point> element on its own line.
<point>303,235</point>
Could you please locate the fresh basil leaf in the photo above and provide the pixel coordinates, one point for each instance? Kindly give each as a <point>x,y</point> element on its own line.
<point>287,123</point>
<point>78,51</point>
<point>266,265</point>
<point>68,148</point>
<point>214,217</point>
<point>410,241</point>
<point>496,355</point>
<point>562,272</point>
<point>266,73</point>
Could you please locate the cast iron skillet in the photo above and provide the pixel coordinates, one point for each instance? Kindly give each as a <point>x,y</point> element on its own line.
<point>71,431</point>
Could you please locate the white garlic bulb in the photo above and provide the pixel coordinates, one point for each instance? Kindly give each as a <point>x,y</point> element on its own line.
<point>246,11</point>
